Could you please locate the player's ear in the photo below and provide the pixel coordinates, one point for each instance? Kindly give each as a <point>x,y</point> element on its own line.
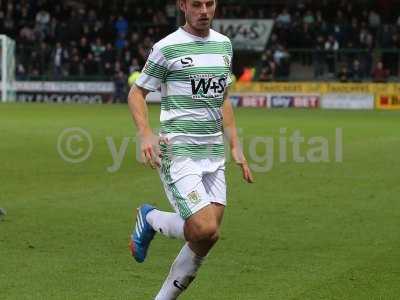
<point>181,4</point>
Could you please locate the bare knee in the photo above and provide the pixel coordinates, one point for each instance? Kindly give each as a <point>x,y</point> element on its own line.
<point>202,232</point>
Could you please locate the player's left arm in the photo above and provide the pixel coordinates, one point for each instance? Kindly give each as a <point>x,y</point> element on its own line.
<point>232,136</point>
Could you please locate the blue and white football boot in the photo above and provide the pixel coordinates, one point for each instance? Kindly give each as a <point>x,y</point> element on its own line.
<point>142,234</point>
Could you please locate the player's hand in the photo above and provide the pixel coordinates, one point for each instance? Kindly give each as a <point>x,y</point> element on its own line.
<point>240,160</point>
<point>150,149</point>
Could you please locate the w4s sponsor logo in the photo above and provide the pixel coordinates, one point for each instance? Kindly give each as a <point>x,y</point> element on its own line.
<point>208,86</point>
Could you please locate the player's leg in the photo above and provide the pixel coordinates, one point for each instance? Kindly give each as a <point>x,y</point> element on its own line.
<point>171,224</point>
<point>215,186</point>
<point>179,194</point>
<point>219,210</point>
<point>202,232</point>
<point>167,223</point>
<point>150,220</point>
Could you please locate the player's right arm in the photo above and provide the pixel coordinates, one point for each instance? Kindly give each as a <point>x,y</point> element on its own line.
<point>148,142</point>
<point>150,80</point>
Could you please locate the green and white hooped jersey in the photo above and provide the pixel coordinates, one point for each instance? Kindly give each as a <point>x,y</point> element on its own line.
<point>192,73</point>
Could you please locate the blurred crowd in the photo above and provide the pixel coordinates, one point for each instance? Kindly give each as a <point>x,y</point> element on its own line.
<point>109,40</point>
<point>69,39</point>
<point>337,40</point>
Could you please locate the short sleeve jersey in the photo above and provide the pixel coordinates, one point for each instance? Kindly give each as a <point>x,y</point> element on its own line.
<point>192,74</point>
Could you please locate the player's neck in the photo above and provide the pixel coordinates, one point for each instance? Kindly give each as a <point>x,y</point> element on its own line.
<point>194,31</point>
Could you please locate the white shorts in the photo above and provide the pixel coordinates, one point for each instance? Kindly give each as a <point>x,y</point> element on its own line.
<point>191,184</point>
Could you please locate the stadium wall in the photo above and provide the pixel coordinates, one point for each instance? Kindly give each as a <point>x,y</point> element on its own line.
<point>383,96</point>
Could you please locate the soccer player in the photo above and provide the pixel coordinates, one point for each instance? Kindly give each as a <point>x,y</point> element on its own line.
<point>192,67</point>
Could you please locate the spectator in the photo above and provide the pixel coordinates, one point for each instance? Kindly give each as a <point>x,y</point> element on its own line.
<point>134,66</point>
<point>319,57</point>
<point>280,54</point>
<point>59,58</point>
<point>367,43</point>
<point>135,38</point>
<point>118,67</point>
<point>91,66</point>
<point>120,43</point>
<point>331,48</point>
<point>20,73</point>
<point>42,21</point>
<point>170,10</point>
<point>340,27</point>
<point>75,66</point>
<point>121,26</point>
<point>386,37</point>
<point>392,55</point>
<point>109,54</point>
<point>281,59</point>
<point>92,18</point>
<point>374,20</point>
<point>26,34</point>
<point>53,27</point>
<point>380,74</point>
<point>98,49</point>
<point>267,74</point>
<point>23,16</point>
<point>284,18</point>
<point>357,72</point>
<point>84,47</point>
<point>309,18</point>
<point>344,74</point>
<point>108,70</point>
<point>44,56</point>
<point>9,25</point>
<point>34,62</point>
<point>353,35</point>
<point>120,87</point>
<point>160,18</point>
<point>305,41</point>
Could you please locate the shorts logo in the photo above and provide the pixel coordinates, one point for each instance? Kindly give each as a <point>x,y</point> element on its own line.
<point>194,197</point>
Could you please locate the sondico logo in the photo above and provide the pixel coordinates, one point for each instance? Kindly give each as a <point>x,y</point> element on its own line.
<point>187,62</point>
<point>207,86</point>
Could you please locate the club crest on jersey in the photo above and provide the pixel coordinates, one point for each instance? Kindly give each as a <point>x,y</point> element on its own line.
<point>208,86</point>
<point>227,61</point>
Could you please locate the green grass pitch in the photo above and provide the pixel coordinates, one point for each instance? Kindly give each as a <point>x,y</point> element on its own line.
<point>302,231</point>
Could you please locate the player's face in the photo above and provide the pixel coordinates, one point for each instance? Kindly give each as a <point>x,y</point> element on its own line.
<point>199,13</point>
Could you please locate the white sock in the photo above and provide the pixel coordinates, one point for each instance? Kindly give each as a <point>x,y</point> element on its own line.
<point>166,223</point>
<point>182,273</point>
